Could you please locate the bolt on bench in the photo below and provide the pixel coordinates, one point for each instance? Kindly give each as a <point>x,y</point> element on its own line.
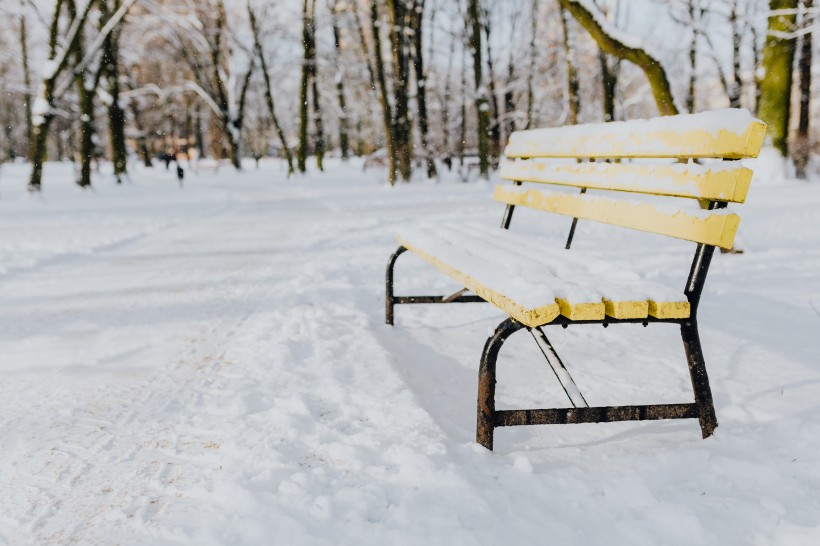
<point>539,286</point>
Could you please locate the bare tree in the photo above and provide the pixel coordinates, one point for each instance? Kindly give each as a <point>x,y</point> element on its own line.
<point>43,110</point>
<point>110,68</point>
<point>532,55</point>
<point>344,122</point>
<point>24,52</point>
<point>86,80</point>
<point>417,24</point>
<point>309,85</point>
<point>203,44</point>
<point>482,106</point>
<point>573,96</point>
<point>400,18</point>
<point>802,142</point>
<point>260,54</point>
<point>378,83</point>
<point>495,110</point>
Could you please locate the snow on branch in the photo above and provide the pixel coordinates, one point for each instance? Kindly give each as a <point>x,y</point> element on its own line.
<point>104,32</point>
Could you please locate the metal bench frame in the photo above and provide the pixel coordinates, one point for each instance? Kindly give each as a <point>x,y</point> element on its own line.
<point>488,418</point>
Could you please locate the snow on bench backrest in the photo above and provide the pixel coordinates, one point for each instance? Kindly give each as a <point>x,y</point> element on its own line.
<point>536,156</point>
<point>729,133</point>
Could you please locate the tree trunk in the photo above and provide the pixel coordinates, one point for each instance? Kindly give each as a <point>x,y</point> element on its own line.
<point>230,126</point>
<point>573,97</point>
<point>86,84</point>
<point>609,80</point>
<point>445,107</point>
<point>417,18</point>
<point>142,141</point>
<point>693,57</point>
<point>609,75</point>
<point>651,67</point>
<point>318,126</point>
<point>802,144</point>
<point>302,150</point>
<point>402,132</point>
<point>378,82</point>
<point>481,103</point>
<point>38,151</point>
<point>531,71</point>
<point>111,69</point>
<point>43,114</point>
<point>260,54</point>
<point>736,86</point>
<point>509,101</point>
<point>776,85</point>
<point>462,141</point>
<point>495,110</point>
<point>26,71</point>
<point>199,134</point>
<point>86,130</point>
<point>758,66</point>
<point>317,120</point>
<point>344,122</point>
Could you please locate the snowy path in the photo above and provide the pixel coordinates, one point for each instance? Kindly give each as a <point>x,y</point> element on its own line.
<point>210,367</point>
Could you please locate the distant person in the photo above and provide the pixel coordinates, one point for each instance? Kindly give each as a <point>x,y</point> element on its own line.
<point>180,172</point>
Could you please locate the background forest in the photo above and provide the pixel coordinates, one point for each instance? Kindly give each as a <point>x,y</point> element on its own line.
<point>417,85</point>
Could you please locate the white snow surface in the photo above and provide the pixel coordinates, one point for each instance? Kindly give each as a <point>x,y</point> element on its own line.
<point>210,365</point>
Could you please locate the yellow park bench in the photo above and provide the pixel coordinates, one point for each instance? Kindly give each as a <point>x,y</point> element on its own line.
<point>541,286</point>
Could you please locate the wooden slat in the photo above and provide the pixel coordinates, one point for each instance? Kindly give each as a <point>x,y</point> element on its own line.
<point>579,295</point>
<point>721,183</point>
<point>669,310</point>
<point>626,309</point>
<point>713,229</point>
<point>581,311</point>
<point>528,317</point>
<point>729,134</point>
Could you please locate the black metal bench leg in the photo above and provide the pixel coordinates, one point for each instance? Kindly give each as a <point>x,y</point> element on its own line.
<point>390,300</point>
<point>700,381</point>
<point>486,381</point>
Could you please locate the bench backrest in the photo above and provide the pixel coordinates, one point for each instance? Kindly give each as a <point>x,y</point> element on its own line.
<point>722,134</point>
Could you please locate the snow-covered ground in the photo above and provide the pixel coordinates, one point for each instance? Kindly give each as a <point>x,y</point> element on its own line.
<point>211,366</point>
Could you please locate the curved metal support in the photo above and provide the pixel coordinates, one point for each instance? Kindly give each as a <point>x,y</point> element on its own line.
<point>486,381</point>
<point>390,299</point>
<point>700,381</point>
<point>700,267</point>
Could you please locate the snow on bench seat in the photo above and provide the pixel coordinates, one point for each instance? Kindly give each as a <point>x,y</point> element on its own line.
<point>534,283</point>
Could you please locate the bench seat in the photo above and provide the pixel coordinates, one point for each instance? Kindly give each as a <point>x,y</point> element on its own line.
<point>535,283</point>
